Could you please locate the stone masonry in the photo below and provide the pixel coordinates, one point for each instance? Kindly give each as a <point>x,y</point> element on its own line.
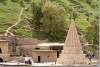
<point>72,53</point>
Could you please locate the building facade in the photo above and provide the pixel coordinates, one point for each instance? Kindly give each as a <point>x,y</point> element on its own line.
<point>4,50</point>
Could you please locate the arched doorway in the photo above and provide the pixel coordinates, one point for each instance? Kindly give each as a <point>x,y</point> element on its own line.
<point>1,60</point>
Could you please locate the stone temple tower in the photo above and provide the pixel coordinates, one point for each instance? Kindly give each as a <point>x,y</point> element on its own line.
<point>72,53</point>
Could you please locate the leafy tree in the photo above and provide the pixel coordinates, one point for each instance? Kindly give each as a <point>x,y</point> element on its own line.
<point>37,15</point>
<point>92,36</point>
<point>53,20</point>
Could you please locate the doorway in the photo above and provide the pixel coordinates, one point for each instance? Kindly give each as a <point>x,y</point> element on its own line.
<point>0,50</point>
<point>39,59</point>
<point>57,54</point>
<point>1,60</point>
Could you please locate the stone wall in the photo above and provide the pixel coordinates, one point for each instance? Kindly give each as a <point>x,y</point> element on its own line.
<point>29,41</point>
<point>4,50</point>
<point>5,57</point>
<point>45,56</point>
<point>12,42</point>
<point>4,47</point>
<point>17,58</point>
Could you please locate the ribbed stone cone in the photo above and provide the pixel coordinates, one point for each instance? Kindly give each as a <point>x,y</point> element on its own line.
<point>72,51</point>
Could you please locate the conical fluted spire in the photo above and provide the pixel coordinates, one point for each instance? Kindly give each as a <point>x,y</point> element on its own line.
<point>72,39</point>
<point>72,51</point>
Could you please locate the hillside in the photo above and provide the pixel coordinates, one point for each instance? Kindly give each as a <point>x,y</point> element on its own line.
<point>9,15</point>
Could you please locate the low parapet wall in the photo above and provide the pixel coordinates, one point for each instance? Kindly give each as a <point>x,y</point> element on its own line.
<point>5,57</point>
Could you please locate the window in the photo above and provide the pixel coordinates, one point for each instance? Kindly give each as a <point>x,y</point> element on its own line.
<point>37,48</point>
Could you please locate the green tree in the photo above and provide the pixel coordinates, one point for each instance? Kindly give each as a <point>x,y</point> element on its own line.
<point>53,20</point>
<point>92,36</point>
<point>37,15</point>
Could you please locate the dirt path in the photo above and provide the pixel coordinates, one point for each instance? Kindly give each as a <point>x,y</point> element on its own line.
<point>16,23</point>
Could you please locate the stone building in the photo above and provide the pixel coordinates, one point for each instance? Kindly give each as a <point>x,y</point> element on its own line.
<point>72,53</point>
<point>13,48</point>
<point>44,52</point>
<point>12,42</point>
<point>4,50</point>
